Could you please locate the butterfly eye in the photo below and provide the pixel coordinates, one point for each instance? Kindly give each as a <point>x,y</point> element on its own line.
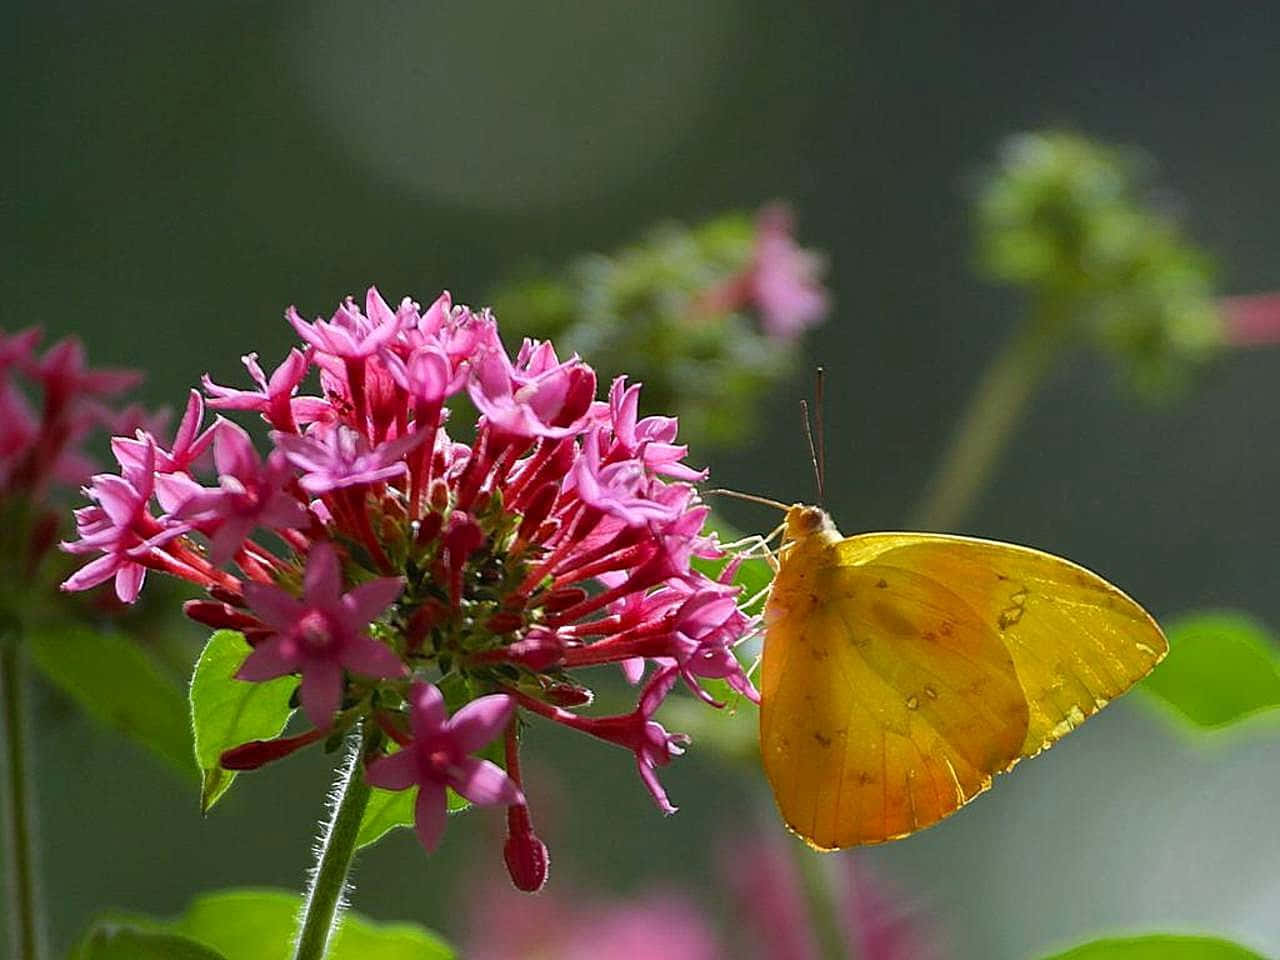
<point>809,520</point>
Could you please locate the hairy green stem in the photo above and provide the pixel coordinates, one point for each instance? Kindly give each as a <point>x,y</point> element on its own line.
<point>987,425</point>
<point>320,912</point>
<point>818,886</point>
<point>23,905</point>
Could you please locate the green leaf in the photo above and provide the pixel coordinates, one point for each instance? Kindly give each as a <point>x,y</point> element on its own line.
<point>1158,946</point>
<point>226,712</point>
<point>1222,667</point>
<point>387,810</point>
<point>259,924</point>
<point>111,941</point>
<point>118,683</point>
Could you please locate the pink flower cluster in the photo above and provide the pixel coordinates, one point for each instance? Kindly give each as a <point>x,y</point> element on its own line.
<point>370,549</point>
<point>782,282</point>
<point>51,404</point>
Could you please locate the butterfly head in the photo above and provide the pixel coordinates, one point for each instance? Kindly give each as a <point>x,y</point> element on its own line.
<point>804,521</point>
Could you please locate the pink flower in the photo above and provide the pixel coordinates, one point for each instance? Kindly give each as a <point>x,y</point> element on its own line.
<point>1252,320</point>
<point>274,398</point>
<point>768,893</point>
<point>637,731</point>
<point>335,457</point>
<point>250,494</point>
<point>438,756</point>
<point>349,334</point>
<point>64,375</point>
<point>559,533</point>
<point>580,925</point>
<point>784,280</point>
<point>189,442</point>
<point>322,633</point>
<point>649,440</point>
<point>122,528</point>
<point>537,396</point>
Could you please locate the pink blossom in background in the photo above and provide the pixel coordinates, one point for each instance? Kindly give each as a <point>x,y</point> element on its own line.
<point>371,548</point>
<point>652,926</point>
<point>782,282</point>
<point>768,894</point>
<point>1252,320</point>
<point>785,284</point>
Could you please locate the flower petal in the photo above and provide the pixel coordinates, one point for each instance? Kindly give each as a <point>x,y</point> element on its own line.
<point>374,659</point>
<point>366,601</point>
<point>129,581</point>
<point>268,660</point>
<point>428,713</point>
<point>277,607</point>
<point>480,721</point>
<point>93,573</point>
<point>484,784</point>
<point>321,691</point>
<point>322,582</point>
<point>399,771</point>
<point>429,815</point>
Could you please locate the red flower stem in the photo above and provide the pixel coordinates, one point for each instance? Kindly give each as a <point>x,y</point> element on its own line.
<point>355,380</point>
<point>426,416</point>
<point>518,820</point>
<point>364,530</point>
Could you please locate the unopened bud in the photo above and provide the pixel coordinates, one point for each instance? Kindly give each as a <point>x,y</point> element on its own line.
<point>527,859</point>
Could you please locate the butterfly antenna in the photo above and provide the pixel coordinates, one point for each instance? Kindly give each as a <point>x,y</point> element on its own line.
<point>750,498</point>
<point>820,404</point>
<point>813,450</point>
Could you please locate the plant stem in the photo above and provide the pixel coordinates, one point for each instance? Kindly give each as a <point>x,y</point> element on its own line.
<point>987,425</point>
<point>337,849</point>
<point>24,909</point>
<point>820,898</point>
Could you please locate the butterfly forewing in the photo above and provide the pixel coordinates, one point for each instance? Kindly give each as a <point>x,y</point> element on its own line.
<point>1076,641</point>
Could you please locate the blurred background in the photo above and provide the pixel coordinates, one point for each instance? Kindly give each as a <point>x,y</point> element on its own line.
<point>177,176</point>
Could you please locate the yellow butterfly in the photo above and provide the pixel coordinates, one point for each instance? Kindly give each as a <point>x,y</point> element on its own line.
<point>903,670</point>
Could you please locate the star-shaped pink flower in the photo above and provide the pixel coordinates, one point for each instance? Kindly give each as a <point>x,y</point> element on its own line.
<point>322,633</point>
<point>439,756</point>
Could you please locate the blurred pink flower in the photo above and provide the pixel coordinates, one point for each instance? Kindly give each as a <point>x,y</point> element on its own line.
<point>769,894</point>
<point>1252,320</point>
<point>654,926</point>
<point>784,282</point>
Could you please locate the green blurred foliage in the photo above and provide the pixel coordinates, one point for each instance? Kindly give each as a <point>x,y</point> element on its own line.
<point>650,311</point>
<point>226,712</point>
<point>1158,946</point>
<point>111,941</point>
<point>255,925</point>
<point>1222,668</point>
<point>1075,224</point>
<point>120,684</point>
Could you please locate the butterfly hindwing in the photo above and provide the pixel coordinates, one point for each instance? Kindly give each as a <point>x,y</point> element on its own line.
<point>887,702</point>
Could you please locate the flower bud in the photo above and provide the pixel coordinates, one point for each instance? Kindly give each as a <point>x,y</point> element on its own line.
<point>527,859</point>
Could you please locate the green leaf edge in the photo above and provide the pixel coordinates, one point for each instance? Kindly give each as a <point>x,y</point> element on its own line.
<point>214,780</point>
<point>1170,708</point>
<point>1119,948</point>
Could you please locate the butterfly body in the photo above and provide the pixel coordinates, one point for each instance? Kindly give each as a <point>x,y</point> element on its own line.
<point>902,671</point>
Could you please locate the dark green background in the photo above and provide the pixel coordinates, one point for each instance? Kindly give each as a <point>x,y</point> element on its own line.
<point>176,174</point>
